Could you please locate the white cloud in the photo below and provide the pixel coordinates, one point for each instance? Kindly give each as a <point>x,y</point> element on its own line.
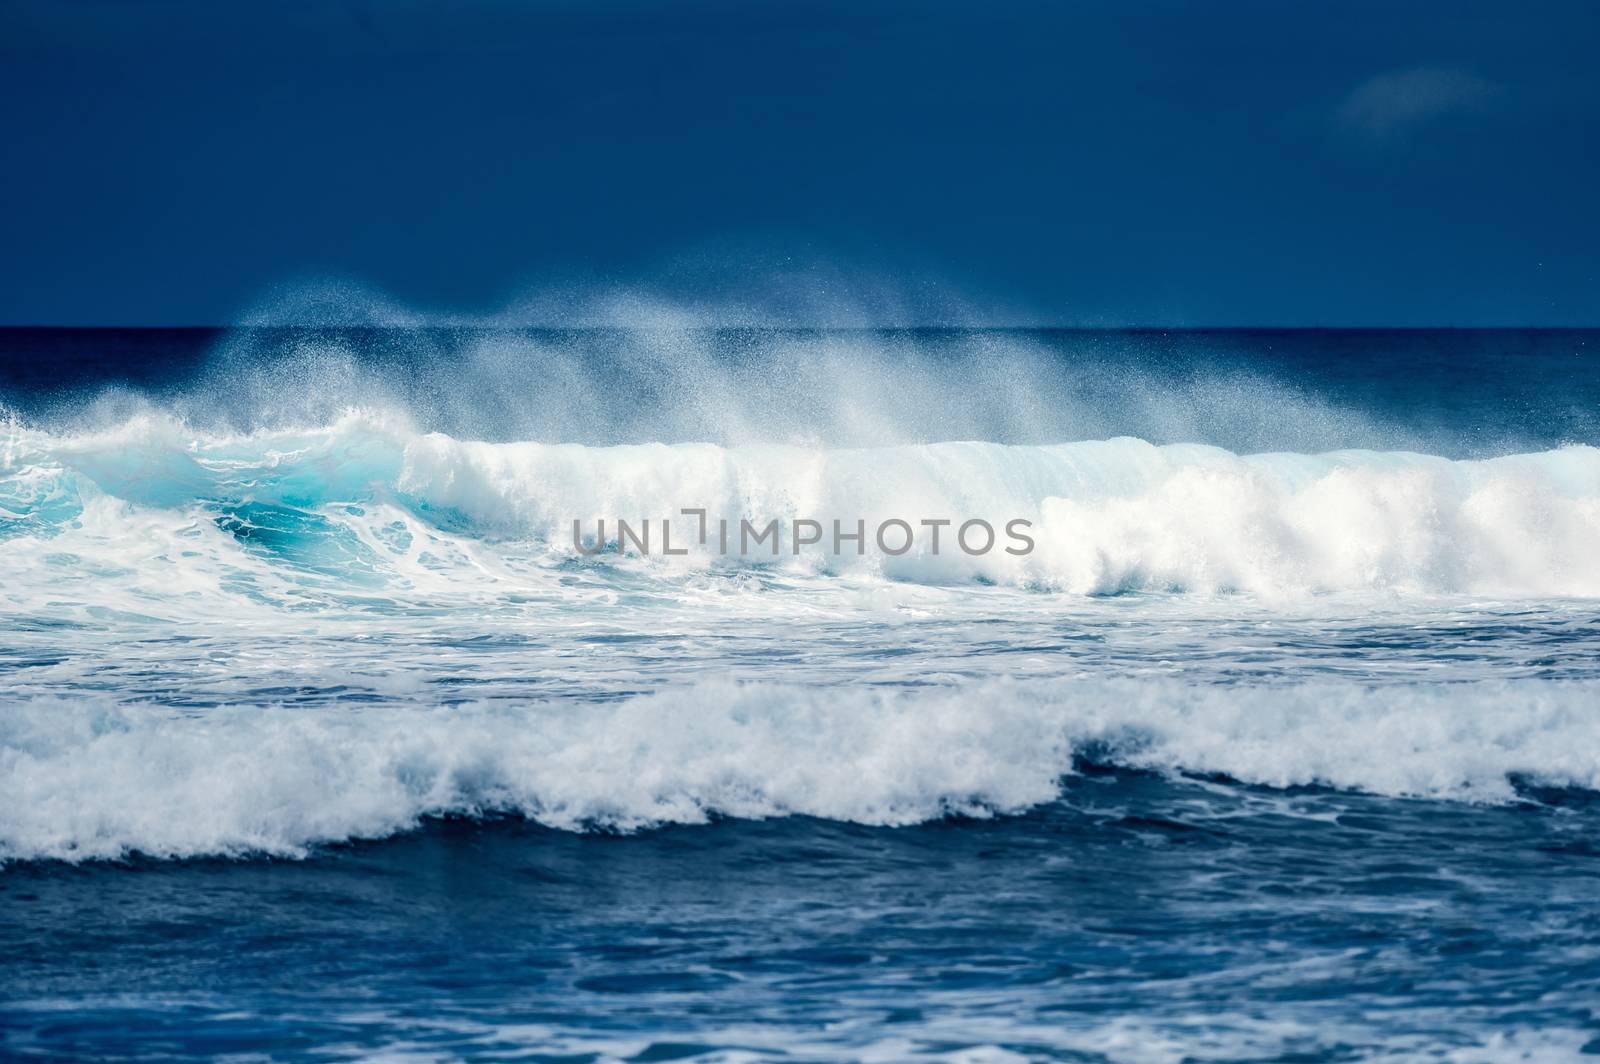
<point>1395,103</point>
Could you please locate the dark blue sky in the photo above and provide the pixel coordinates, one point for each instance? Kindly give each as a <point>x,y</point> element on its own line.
<point>1073,163</point>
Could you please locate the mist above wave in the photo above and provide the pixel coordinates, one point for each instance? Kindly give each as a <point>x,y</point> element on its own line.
<point>731,387</point>
<point>821,356</point>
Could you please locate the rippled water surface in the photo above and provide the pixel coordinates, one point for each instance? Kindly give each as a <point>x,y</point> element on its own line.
<point>319,739</point>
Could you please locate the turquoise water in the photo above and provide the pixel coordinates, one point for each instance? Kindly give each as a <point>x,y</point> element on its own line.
<point>318,738</point>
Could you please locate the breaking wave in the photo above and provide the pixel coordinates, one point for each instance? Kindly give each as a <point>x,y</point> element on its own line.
<point>80,782</point>
<point>361,500</point>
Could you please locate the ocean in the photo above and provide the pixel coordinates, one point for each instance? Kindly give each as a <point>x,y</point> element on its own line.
<point>333,726</point>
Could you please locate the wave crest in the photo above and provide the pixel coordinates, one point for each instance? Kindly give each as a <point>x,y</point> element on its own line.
<point>78,782</point>
<point>1108,516</point>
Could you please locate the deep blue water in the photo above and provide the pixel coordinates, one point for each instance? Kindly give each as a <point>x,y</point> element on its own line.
<point>1133,914</point>
<point>319,741</point>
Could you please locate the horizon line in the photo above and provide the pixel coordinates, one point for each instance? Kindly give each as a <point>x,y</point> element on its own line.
<point>772,327</point>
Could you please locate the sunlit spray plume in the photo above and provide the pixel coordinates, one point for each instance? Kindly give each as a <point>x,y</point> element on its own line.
<point>630,368</point>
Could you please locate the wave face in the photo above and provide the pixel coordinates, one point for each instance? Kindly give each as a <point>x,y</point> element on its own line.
<point>378,506</point>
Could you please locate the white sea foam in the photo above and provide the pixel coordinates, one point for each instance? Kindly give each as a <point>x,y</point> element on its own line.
<point>80,782</point>
<point>231,554</point>
<point>1106,516</point>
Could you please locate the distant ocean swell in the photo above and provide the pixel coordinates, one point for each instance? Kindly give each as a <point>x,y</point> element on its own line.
<point>362,499</point>
<point>83,782</point>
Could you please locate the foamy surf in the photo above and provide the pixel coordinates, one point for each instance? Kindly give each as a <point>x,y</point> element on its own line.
<point>1290,700</point>
<point>83,782</point>
<point>1103,516</point>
